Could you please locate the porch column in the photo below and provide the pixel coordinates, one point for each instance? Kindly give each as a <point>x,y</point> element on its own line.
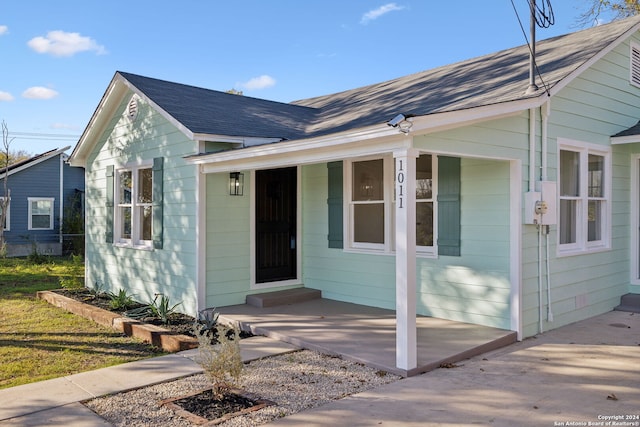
<point>406,334</point>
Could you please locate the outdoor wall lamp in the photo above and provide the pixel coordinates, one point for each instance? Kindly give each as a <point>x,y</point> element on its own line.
<point>401,122</point>
<point>236,183</point>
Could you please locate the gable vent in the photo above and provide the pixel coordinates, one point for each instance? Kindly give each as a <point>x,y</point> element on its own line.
<point>132,108</point>
<point>635,64</point>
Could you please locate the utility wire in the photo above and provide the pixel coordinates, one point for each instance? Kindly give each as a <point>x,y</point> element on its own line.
<point>45,136</point>
<point>543,15</point>
<point>524,33</point>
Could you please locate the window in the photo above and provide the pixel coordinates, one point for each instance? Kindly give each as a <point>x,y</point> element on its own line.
<point>368,204</point>
<point>584,198</point>
<point>424,201</point>
<point>371,204</point>
<point>134,203</point>
<point>40,213</point>
<point>7,219</point>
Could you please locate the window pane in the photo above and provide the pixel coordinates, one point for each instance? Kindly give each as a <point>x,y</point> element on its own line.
<point>145,223</point>
<point>368,223</point>
<point>568,212</point>
<point>40,221</point>
<point>596,176</point>
<point>41,207</point>
<point>368,180</point>
<point>125,220</point>
<point>569,173</point>
<point>424,224</point>
<point>145,187</point>
<point>594,224</point>
<point>125,188</point>
<point>424,177</point>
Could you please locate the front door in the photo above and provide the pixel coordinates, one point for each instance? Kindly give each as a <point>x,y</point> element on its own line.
<point>276,240</point>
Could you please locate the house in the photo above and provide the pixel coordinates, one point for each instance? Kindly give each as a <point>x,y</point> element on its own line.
<point>457,192</point>
<point>41,189</point>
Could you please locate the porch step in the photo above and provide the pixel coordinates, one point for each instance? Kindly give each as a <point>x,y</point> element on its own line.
<point>289,296</point>
<point>629,302</point>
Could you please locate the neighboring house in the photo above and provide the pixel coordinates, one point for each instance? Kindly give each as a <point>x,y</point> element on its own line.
<point>452,193</point>
<point>40,189</point>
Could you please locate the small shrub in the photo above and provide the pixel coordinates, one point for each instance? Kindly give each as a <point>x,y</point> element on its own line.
<point>160,310</point>
<point>71,282</point>
<point>121,300</point>
<point>36,257</point>
<point>221,363</point>
<point>207,319</point>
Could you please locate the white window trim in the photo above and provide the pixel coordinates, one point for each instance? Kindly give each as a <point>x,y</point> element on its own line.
<point>388,184</point>
<point>30,213</point>
<point>582,246</point>
<point>8,217</point>
<point>431,251</point>
<point>134,241</point>
<point>388,247</point>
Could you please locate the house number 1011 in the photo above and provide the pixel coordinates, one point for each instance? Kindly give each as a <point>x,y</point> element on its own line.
<point>400,181</point>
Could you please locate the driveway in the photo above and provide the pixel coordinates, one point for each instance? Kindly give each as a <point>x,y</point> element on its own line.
<point>587,373</point>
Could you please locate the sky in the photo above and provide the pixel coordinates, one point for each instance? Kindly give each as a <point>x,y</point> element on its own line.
<point>58,57</point>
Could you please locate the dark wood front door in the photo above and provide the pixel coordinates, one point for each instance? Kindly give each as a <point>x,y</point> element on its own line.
<point>276,238</point>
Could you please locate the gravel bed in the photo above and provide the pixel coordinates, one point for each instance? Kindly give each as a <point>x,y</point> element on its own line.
<point>294,381</point>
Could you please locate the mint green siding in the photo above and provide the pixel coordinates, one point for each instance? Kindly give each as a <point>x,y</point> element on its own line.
<point>172,269</point>
<point>597,104</point>
<point>228,242</point>
<point>473,287</point>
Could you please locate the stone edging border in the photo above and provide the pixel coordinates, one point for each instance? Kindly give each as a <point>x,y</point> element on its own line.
<point>152,334</point>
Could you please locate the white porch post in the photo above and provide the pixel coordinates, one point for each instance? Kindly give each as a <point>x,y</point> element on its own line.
<point>406,334</point>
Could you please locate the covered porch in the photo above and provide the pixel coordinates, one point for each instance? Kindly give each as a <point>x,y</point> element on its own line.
<point>361,333</point>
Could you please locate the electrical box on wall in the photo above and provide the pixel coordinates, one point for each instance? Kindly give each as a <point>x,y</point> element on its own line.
<point>530,200</point>
<point>549,194</point>
<point>540,206</point>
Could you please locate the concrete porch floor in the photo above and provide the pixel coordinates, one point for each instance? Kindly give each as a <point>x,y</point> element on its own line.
<point>365,334</point>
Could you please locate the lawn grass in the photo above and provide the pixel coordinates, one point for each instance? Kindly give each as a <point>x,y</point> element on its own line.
<point>39,341</point>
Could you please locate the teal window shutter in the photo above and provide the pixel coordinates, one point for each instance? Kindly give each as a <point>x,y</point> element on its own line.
<point>334,202</point>
<point>109,205</point>
<point>157,207</point>
<point>448,206</point>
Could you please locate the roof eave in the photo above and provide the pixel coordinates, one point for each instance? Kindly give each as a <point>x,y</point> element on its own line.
<point>627,139</point>
<point>350,143</point>
<point>109,102</point>
<point>36,160</point>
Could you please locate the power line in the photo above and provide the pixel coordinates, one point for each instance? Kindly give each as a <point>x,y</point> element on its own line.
<point>44,136</point>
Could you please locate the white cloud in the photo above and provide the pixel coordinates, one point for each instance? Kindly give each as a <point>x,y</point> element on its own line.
<point>5,96</point>
<point>377,13</point>
<point>261,82</point>
<point>39,92</point>
<point>60,43</point>
<point>3,29</point>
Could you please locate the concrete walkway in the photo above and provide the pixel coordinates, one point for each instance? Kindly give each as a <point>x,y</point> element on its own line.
<point>583,372</point>
<point>56,402</point>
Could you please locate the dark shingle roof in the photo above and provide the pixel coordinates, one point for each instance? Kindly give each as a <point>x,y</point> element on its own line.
<point>220,113</point>
<point>632,131</point>
<point>491,79</point>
